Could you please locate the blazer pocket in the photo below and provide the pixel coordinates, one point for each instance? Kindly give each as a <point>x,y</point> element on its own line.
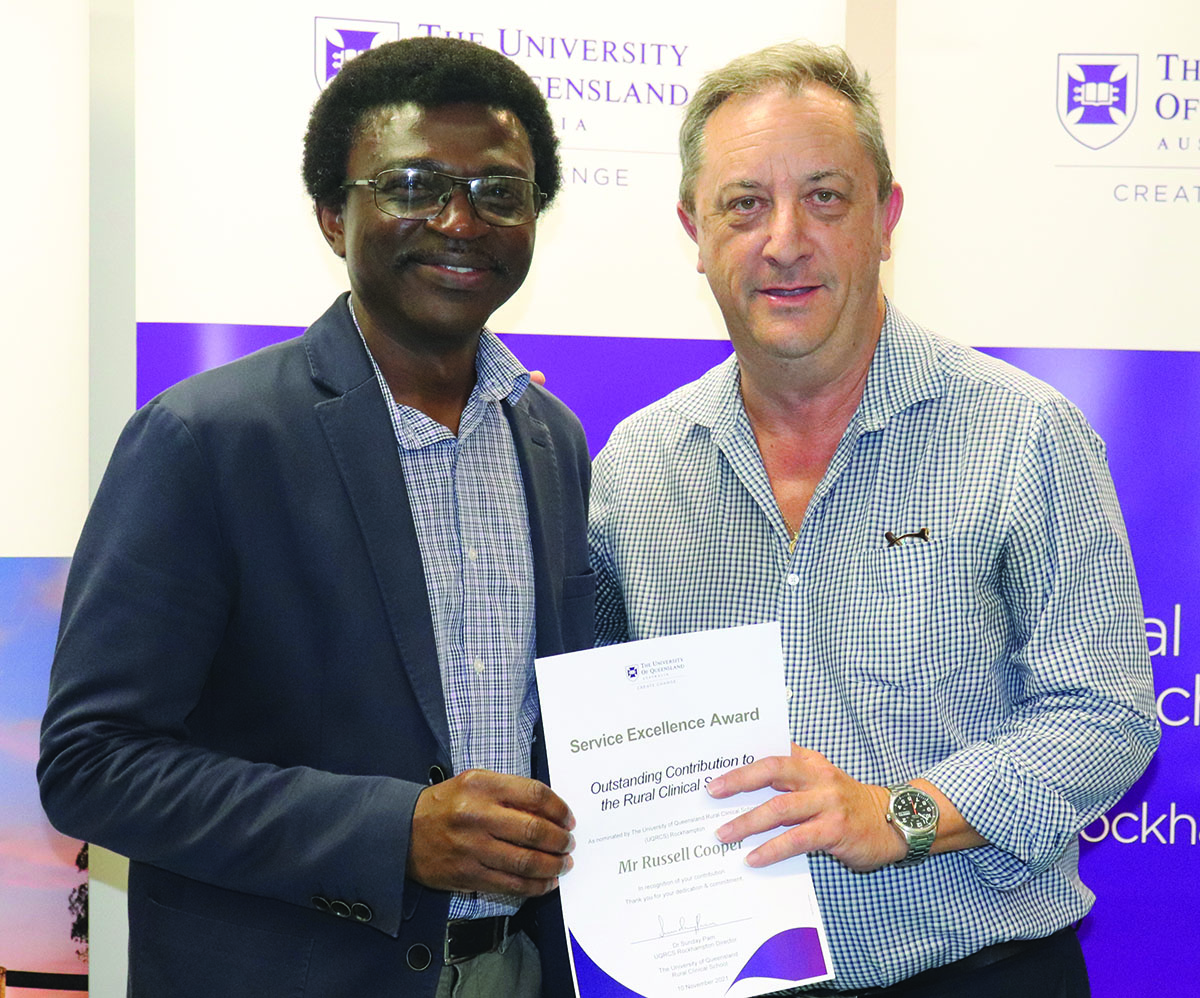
<point>577,586</point>
<point>579,611</point>
<point>180,953</point>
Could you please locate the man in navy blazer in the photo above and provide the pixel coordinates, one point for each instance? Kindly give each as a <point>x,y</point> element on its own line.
<point>294,678</point>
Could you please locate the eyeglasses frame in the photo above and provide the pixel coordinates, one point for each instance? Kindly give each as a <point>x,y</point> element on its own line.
<point>540,198</point>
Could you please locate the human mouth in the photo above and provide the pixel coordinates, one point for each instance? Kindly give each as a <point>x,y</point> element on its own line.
<point>455,271</point>
<point>798,293</point>
<point>455,263</point>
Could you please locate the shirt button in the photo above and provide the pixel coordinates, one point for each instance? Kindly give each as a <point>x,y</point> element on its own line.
<point>478,665</point>
<point>472,553</point>
<point>793,579</point>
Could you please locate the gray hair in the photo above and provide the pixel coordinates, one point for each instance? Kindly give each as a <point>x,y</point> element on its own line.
<point>791,66</point>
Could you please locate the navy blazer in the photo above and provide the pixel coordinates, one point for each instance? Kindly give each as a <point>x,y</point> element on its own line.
<point>245,698</point>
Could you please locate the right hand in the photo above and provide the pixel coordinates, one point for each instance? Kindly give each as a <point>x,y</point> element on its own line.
<point>490,832</point>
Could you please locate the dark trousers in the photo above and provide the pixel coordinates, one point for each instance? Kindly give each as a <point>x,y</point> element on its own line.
<point>1040,968</point>
<point>1047,968</point>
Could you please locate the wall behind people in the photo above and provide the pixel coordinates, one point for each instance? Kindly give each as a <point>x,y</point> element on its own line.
<point>44,441</point>
<point>1051,158</point>
<point>1043,221</point>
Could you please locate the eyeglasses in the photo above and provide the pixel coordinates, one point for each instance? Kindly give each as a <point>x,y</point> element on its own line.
<point>416,193</point>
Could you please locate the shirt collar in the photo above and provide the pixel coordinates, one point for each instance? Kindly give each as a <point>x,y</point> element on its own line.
<point>498,375</point>
<point>904,371</point>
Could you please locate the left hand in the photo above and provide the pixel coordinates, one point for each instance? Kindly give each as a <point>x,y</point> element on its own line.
<point>823,809</point>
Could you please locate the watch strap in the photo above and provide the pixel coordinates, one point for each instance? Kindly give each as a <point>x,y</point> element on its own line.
<point>920,841</point>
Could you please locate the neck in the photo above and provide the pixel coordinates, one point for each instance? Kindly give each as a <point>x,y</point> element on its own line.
<point>798,413</point>
<point>434,379</point>
<point>808,397</point>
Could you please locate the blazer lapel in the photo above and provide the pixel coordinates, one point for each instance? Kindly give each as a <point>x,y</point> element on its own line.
<point>543,496</point>
<point>363,444</point>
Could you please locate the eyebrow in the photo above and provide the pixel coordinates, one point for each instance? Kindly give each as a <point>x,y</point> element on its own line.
<point>813,178</point>
<point>819,175</point>
<point>491,170</point>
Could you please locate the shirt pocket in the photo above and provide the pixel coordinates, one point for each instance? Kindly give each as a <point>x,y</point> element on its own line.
<point>904,596</point>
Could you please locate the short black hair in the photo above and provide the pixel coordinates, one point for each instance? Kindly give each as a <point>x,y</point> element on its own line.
<point>429,72</point>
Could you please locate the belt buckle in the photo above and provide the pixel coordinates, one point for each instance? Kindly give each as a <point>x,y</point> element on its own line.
<point>498,926</point>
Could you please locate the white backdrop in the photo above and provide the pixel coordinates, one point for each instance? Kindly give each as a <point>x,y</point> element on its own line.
<point>1015,234</point>
<point>225,232</point>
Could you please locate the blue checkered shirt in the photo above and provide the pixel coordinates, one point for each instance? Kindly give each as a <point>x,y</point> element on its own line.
<point>1003,659</point>
<point>468,504</point>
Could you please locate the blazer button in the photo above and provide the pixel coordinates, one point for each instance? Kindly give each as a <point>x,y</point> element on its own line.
<point>320,903</point>
<point>418,957</point>
<point>436,774</point>
<point>361,912</point>
<point>340,908</point>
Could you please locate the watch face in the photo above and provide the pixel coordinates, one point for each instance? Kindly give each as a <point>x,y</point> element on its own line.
<point>913,809</point>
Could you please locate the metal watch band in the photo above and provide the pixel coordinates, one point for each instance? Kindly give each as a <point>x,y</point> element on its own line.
<point>919,842</point>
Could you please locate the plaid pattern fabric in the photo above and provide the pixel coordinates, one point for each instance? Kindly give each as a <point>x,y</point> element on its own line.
<point>1001,655</point>
<point>468,504</point>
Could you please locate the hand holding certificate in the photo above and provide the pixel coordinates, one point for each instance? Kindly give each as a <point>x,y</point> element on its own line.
<point>656,904</point>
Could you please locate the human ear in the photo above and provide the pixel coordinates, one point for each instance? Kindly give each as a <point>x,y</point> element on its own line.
<point>329,217</point>
<point>891,215</point>
<point>689,226</point>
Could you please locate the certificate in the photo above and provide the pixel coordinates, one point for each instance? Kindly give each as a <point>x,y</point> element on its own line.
<point>655,905</point>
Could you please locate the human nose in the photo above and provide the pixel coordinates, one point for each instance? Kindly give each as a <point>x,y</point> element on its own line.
<point>458,218</point>
<point>788,236</point>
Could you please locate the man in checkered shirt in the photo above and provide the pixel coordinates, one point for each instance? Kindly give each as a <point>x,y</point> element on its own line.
<point>935,531</point>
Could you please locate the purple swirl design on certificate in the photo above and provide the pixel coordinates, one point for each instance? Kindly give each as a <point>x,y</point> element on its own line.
<point>591,980</point>
<point>791,955</point>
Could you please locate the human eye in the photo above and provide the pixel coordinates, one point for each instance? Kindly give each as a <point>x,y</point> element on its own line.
<point>826,199</point>
<point>410,186</point>
<point>500,190</point>
<point>391,181</point>
<point>503,196</point>
<point>744,204</point>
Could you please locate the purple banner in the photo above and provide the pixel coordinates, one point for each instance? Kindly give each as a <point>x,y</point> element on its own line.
<point>602,378</point>
<point>1141,859</point>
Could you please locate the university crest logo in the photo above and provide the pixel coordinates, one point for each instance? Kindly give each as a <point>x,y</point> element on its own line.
<point>1097,96</point>
<point>340,39</point>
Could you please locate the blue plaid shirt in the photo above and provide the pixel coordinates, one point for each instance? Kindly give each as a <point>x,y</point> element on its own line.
<point>468,504</point>
<point>1003,658</point>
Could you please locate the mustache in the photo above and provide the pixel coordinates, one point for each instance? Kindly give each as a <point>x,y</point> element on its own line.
<point>475,258</point>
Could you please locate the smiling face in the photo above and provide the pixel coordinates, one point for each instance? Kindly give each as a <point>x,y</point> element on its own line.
<point>790,228</point>
<point>431,285</point>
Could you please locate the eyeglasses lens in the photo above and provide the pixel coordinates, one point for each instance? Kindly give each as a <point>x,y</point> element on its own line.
<point>424,193</point>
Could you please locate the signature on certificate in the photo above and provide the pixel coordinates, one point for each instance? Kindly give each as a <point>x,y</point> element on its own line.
<point>687,925</point>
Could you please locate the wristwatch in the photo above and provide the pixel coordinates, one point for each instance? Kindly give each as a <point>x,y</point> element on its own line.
<point>914,814</point>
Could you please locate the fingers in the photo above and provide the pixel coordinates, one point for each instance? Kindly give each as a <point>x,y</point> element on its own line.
<point>776,771</point>
<point>779,812</point>
<point>524,795</point>
<point>793,842</point>
<point>482,831</point>
<point>819,808</point>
